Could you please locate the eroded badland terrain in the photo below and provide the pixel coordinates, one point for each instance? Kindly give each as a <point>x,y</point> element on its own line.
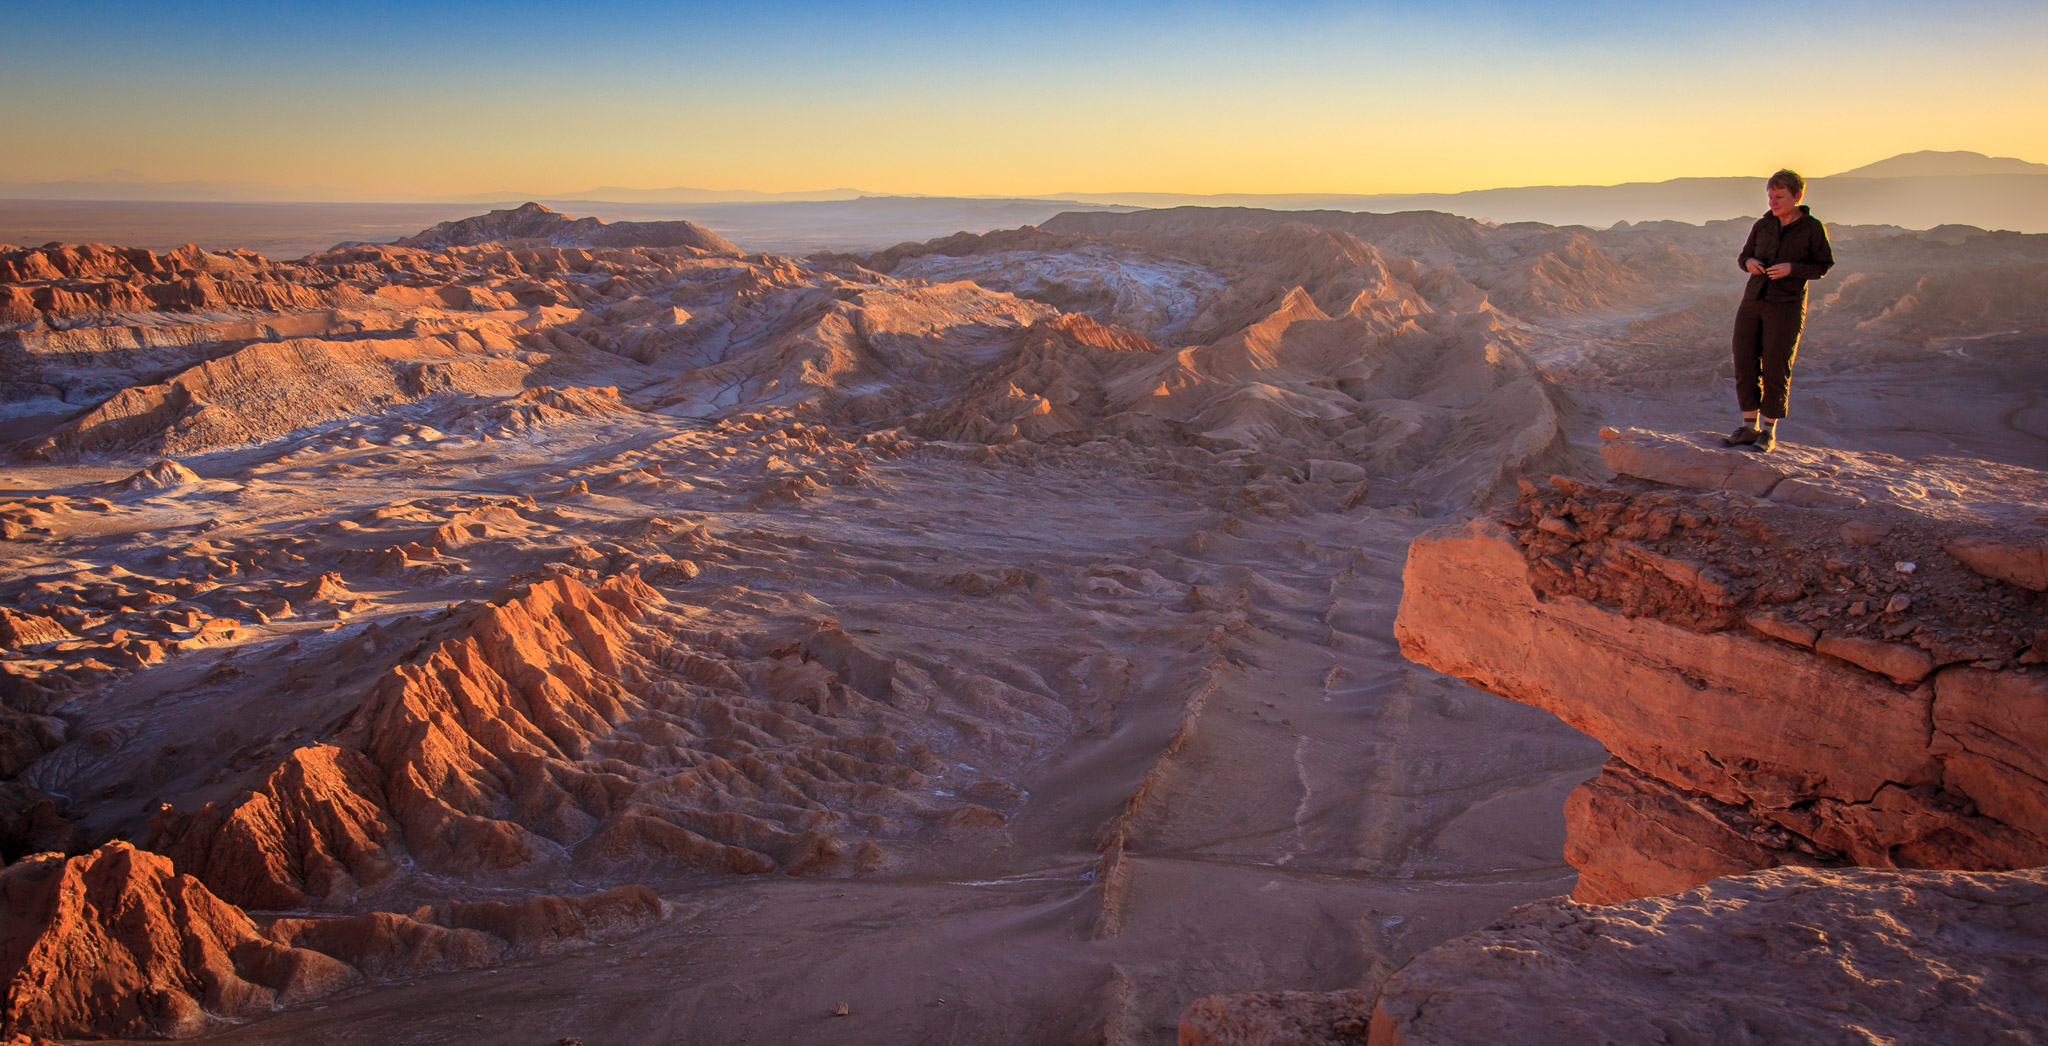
<point>543,630</point>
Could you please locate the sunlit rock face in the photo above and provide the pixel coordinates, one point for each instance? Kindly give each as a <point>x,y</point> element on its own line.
<point>117,943</point>
<point>1825,664</point>
<point>1808,663</point>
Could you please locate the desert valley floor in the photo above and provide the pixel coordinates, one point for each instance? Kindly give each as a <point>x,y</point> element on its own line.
<point>985,640</point>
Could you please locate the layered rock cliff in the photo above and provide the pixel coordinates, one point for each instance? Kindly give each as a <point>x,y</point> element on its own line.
<point>1820,659</point>
<point>1824,665</point>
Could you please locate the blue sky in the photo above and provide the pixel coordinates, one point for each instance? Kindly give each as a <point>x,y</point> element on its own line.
<point>382,98</point>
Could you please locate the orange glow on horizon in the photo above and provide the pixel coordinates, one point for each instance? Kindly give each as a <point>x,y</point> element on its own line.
<point>1263,102</point>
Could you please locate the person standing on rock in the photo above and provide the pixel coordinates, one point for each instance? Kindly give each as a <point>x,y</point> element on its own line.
<point>1786,248</point>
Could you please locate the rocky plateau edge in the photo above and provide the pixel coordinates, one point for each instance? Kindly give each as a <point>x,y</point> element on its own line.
<point>1822,665</point>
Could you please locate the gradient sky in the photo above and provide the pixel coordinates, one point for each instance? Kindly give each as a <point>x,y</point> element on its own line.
<point>374,100</point>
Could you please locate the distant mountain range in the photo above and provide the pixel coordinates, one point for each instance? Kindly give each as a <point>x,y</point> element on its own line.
<point>1914,190</point>
<point>1928,163</point>
<point>619,194</point>
<point>1917,190</point>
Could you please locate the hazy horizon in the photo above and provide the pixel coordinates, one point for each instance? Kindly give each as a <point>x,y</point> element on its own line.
<point>217,192</point>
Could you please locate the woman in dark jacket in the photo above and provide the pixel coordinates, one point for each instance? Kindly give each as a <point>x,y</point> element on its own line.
<point>1786,248</point>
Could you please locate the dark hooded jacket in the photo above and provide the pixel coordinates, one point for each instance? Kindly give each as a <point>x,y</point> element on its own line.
<point>1804,243</point>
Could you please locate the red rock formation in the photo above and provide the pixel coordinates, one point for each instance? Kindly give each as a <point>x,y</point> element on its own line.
<point>1528,268</point>
<point>577,724</point>
<point>1787,955</point>
<point>92,261</point>
<point>386,946</point>
<point>329,587</point>
<point>540,924</point>
<point>64,281</point>
<point>116,943</point>
<point>313,834</point>
<point>546,405</point>
<point>1768,695</point>
<point>461,935</point>
<point>18,630</point>
<point>451,785</point>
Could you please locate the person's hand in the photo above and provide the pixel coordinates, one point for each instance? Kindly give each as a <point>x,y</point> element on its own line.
<point>1755,267</point>
<point>1779,271</point>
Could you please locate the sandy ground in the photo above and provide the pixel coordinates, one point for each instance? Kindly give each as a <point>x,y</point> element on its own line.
<point>1334,811</point>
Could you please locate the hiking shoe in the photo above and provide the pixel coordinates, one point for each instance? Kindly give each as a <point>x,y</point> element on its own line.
<point>1741,437</point>
<point>1764,441</point>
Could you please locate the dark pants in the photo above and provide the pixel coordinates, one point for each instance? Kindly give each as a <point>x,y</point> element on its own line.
<point>1766,342</point>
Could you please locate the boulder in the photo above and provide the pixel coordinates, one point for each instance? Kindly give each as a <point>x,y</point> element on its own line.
<point>1685,633</point>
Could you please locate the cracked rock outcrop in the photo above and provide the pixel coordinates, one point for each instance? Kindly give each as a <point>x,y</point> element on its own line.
<point>1806,681</point>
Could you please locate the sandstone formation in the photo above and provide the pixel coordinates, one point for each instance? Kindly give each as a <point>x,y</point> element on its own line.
<point>255,349</point>
<point>457,935</point>
<point>1787,955</point>
<point>63,280</point>
<point>315,830</point>
<point>580,724</point>
<point>1289,333</point>
<point>1808,680</point>
<point>115,942</point>
<point>24,630</point>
